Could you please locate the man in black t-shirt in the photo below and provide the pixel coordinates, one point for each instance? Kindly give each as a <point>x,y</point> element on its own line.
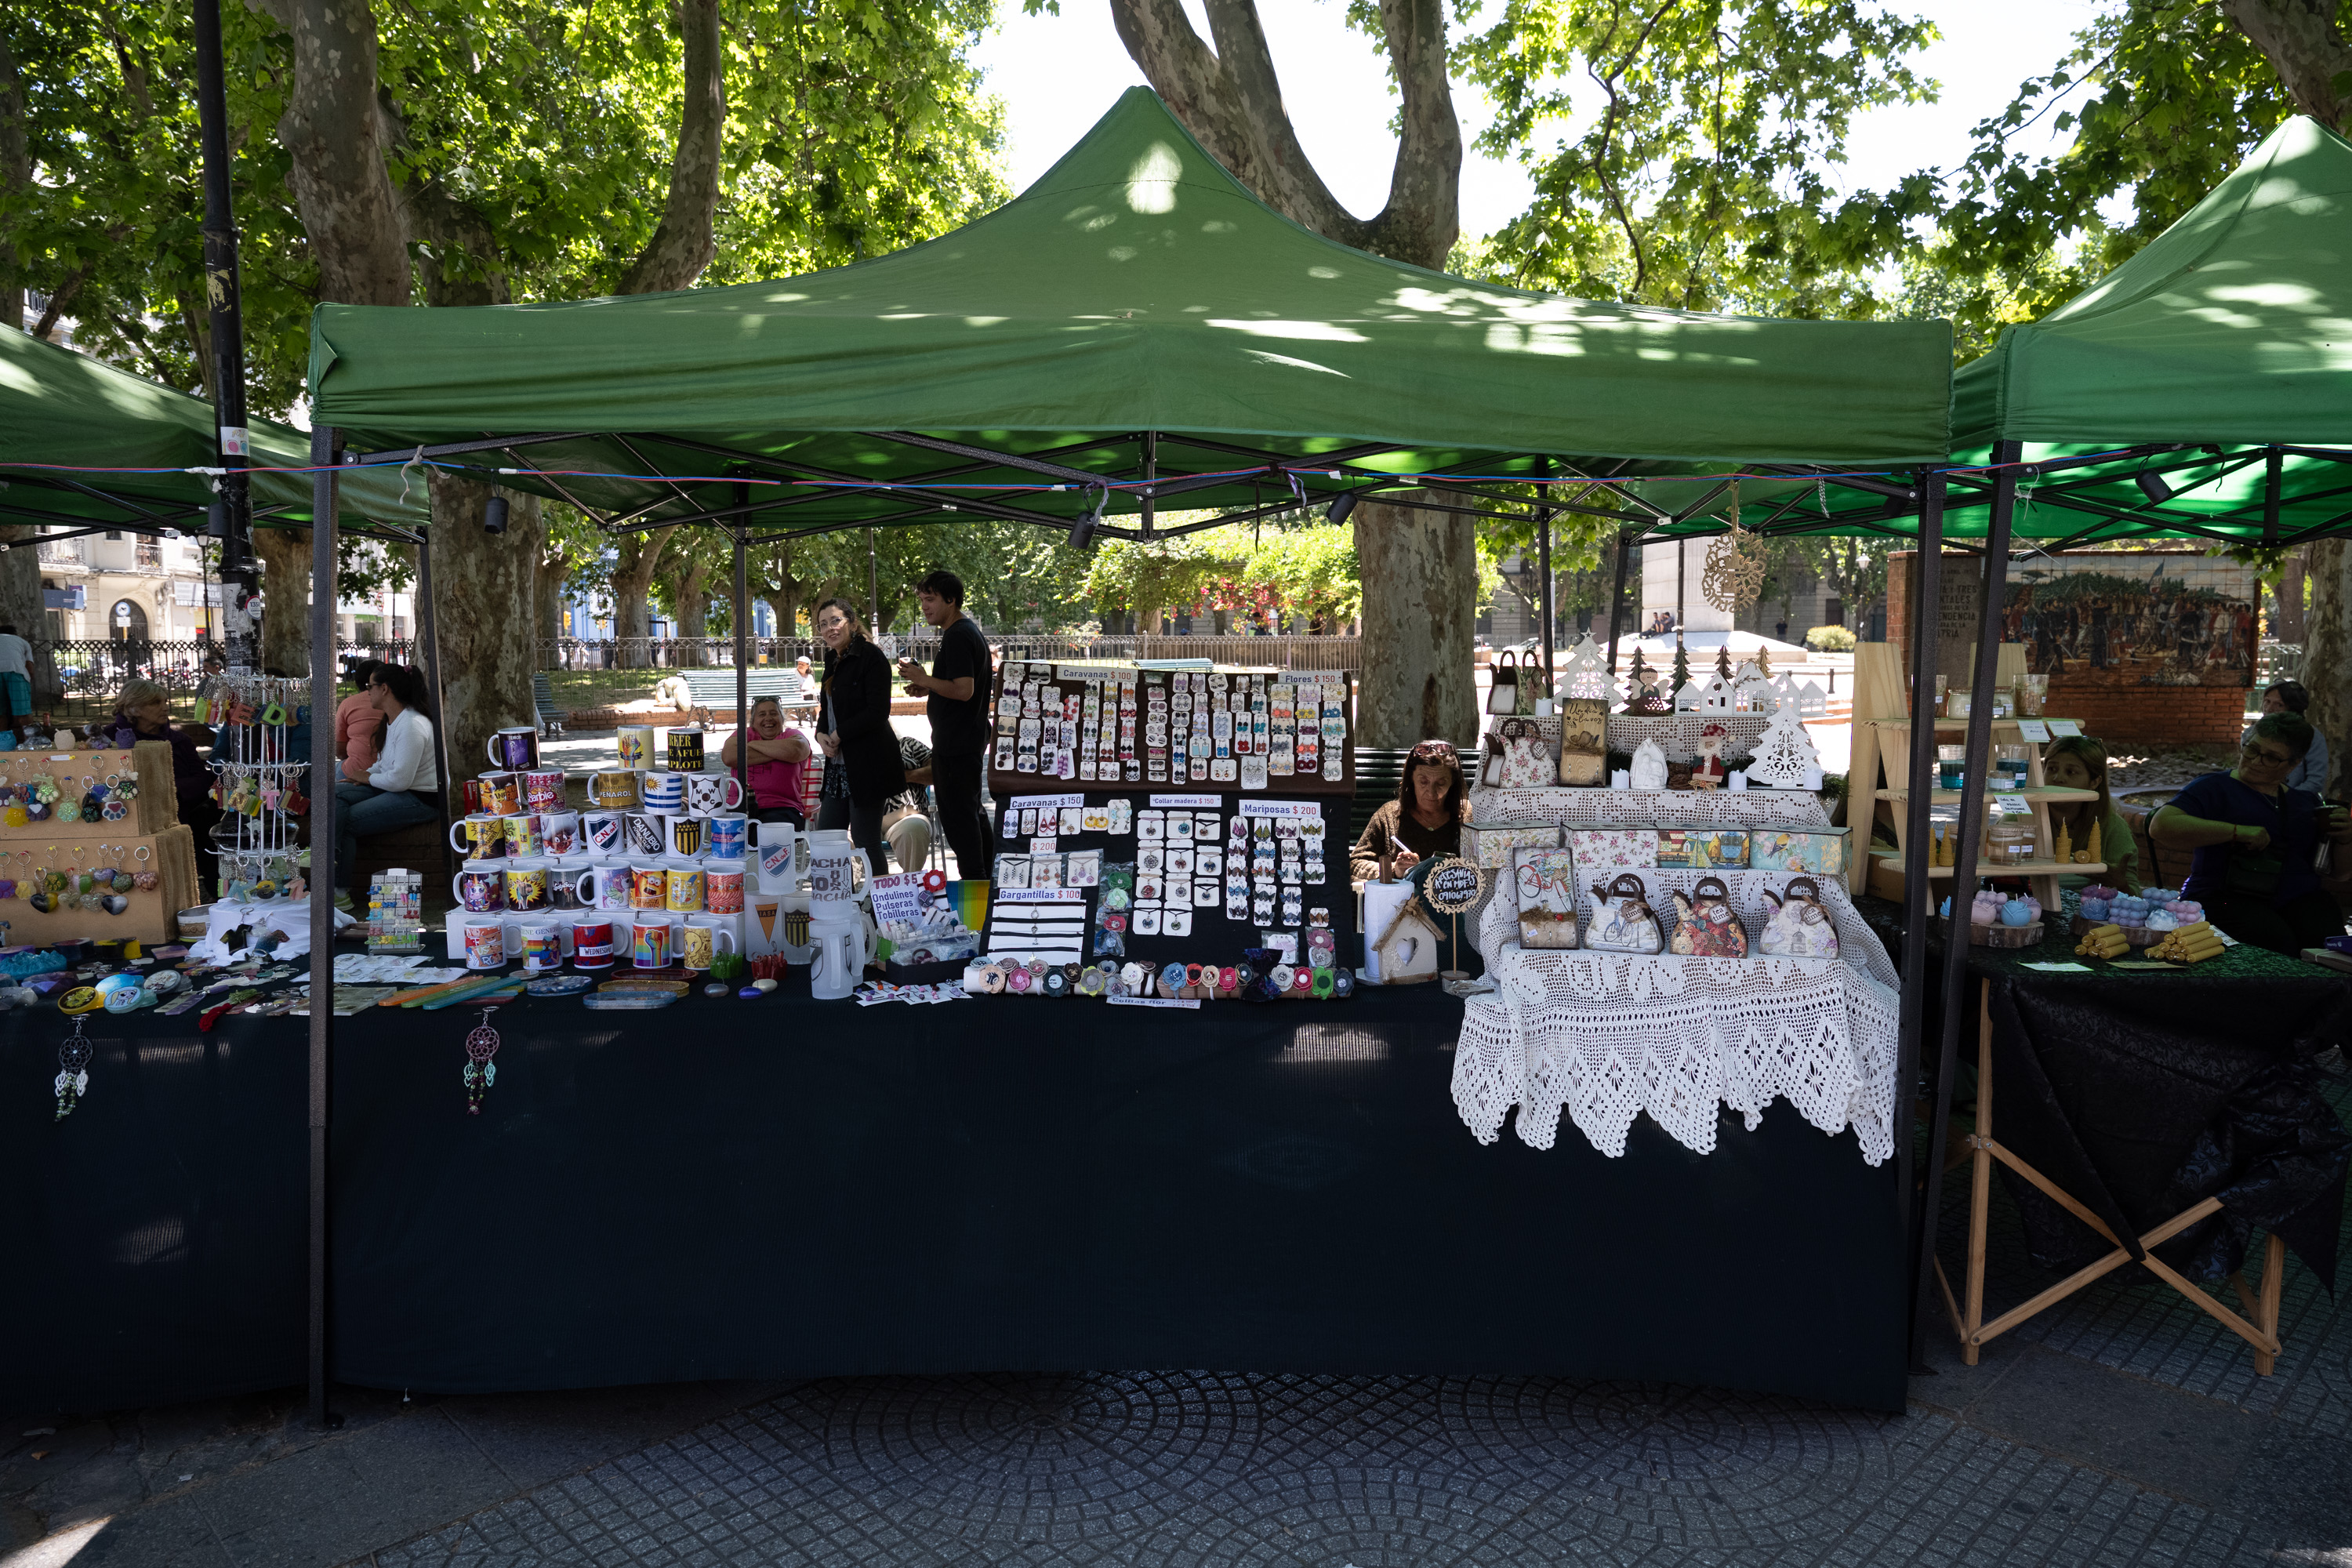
<point>958,689</point>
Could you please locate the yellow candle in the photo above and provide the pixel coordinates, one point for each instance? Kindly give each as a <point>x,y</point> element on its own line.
<point>2094,845</point>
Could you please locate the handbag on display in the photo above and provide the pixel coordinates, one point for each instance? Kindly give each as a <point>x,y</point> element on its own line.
<point>1545,877</point>
<point>1800,927</point>
<point>1705,924</point>
<point>1621,920</point>
<point>1526,763</point>
<point>1532,685</point>
<point>1503,696</point>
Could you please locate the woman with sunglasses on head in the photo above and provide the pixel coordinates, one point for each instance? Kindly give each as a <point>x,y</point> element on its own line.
<point>861,768</point>
<point>2256,838</point>
<point>1423,822</point>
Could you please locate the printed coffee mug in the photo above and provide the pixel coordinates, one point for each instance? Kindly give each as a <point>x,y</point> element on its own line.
<point>635,743</point>
<point>649,944</point>
<point>601,832</point>
<point>708,795</point>
<point>686,749</point>
<point>516,746</point>
<point>664,793</point>
<point>722,886</point>
<point>724,836</point>
<point>480,887</point>
<point>543,789</point>
<point>479,838</point>
<point>527,886</point>
<point>501,794</point>
<point>543,948</point>
<point>796,928</point>
<point>641,833</point>
<point>559,832</point>
<point>695,947</point>
<point>486,942</point>
<point>648,887</point>
<point>571,885</point>
<point>470,798</point>
<point>592,944</point>
<point>614,789</point>
<point>523,836</point>
<point>614,878</point>
<point>682,837</point>
<point>684,890</point>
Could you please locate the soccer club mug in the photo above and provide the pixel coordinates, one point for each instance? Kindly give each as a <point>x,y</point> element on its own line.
<point>515,747</point>
<point>664,793</point>
<point>708,795</point>
<point>641,834</point>
<point>682,837</point>
<point>601,832</point>
<point>613,789</point>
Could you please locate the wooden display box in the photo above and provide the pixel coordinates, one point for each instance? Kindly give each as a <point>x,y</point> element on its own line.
<point>154,825</point>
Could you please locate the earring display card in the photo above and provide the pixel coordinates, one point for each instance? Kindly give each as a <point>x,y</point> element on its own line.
<point>1229,730</point>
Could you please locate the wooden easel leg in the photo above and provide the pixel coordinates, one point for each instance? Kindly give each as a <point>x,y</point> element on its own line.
<point>1981,1176</point>
<point>2273,1282</point>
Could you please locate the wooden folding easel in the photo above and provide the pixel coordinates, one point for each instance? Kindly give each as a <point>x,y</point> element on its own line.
<point>1983,1148</point>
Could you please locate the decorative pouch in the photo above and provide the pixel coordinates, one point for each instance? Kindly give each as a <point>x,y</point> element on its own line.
<point>1621,920</point>
<point>1706,926</point>
<point>1800,927</point>
<point>1525,763</point>
<point>1503,696</point>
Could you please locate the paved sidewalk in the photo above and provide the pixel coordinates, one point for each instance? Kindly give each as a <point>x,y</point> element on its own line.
<point>2123,1427</point>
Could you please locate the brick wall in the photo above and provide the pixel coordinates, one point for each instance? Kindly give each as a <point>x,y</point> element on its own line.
<point>2121,716</point>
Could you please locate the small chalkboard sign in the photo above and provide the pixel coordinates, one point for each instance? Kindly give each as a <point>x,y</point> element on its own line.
<point>1453,885</point>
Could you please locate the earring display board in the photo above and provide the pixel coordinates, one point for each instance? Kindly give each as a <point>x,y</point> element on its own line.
<point>1183,878</point>
<point>1223,731</point>
<point>89,877</point>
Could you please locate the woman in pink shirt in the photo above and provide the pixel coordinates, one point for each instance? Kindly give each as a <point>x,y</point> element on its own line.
<point>358,723</point>
<point>778,756</point>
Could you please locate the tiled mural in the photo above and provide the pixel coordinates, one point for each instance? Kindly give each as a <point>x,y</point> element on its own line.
<point>2134,619</point>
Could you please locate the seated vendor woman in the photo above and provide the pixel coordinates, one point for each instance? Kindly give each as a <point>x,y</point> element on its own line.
<point>778,758</point>
<point>2256,839</point>
<point>2077,762</point>
<point>1423,821</point>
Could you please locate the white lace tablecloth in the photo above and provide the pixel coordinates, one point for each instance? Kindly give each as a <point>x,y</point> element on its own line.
<point>1602,1038</point>
<point>1755,807</point>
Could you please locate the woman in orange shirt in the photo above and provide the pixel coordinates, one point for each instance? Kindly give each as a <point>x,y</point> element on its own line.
<point>358,723</point>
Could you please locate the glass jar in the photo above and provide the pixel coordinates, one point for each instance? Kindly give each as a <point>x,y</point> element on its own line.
<point>2032,693</point>
<point>1951,766</point>
<point>2012,766</point>
<point>2008,837</point>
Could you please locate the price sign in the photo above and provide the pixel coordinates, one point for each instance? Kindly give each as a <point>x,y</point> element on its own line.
<point>2012,805</point>
<point>2032,729</point>
<point>2064,727</point>
<point>1453,885</point>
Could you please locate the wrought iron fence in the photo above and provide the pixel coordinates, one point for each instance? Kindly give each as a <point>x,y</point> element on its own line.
<point>2278,661</point>
<point>91,669</point>
<point>654,654</point>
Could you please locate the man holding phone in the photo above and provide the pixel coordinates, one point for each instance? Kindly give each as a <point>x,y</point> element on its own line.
<point>957,687</point>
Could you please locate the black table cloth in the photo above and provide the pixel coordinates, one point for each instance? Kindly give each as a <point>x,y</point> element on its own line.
<point>2142,1092</point>
<point>785,1187</point>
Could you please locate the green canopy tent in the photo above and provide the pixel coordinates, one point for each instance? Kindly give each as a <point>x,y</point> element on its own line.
<point>85,445</point>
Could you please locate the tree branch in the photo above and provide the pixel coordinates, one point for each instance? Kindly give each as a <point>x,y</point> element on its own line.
<point>684,242</point>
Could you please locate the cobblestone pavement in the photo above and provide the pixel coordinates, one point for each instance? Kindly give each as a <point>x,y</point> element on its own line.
<point>2125,1426</point>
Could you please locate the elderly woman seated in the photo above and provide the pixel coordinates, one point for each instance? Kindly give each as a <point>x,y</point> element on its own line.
<point>2256,839</point>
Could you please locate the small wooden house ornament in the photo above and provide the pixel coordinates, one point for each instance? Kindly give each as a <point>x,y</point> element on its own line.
<point>1407,951</point>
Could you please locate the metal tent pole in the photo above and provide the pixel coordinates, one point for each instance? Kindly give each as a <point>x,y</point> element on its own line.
<point>1543,565</point>
<point>428,639</point>
<point>2005,455</point>
<point>872,588</point>
<point>1617,594</point>
<point>1917,898</point>
<point>742,655</point>
<point>324,506</point>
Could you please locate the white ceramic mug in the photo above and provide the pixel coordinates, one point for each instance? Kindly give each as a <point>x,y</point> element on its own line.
<point>609,885</point>
<point>602,832</point>
<point>634,744</point>
<point>485,941</point>
<point>664,793</point>
<point>708,795</point>
<point>726,838</point>
<point>831,885</point>
<point>705,936</point>
<point>480,887</point>
<point>722,886</point>
<point>559,832</point>
<point>516,746</point>
<point>683,836</point>
<point>641,833</point>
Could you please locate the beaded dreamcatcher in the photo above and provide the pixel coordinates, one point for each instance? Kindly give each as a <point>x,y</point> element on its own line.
<point>481,1070</point>
<point>1735,565</point>
<point>73,1075</point>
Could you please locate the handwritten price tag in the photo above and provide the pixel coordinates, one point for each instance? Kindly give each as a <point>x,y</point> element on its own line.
<point>2032,729</point>
<point>2064,727</point>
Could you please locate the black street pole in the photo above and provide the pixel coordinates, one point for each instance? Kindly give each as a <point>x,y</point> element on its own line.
<point>323,873</point>
<point>224,289</point>
<point>1543,565</point>
<point>1617,594</point>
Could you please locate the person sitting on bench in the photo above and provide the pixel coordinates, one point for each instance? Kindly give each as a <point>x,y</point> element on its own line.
<point>404,786</point>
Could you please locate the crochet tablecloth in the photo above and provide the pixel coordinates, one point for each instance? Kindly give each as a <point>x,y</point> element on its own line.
<point>1605,1037</point>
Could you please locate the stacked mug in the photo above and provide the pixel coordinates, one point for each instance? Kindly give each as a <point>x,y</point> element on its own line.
<point>665,845</point>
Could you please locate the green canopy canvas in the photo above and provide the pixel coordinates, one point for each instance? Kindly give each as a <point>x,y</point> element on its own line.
<point>1136,314</point>
<point>82,443</point>
<point>2201,390</point>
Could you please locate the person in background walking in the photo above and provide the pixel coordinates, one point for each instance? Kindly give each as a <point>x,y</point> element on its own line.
<point>15,674</point>
<point>956,689</point>
<point>2292,697</point>
<point>358,723</point>
<point>861,770</point>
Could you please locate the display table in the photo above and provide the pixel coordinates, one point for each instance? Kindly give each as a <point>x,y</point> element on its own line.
<point>789,1188</point>
<point>1602,1038</point>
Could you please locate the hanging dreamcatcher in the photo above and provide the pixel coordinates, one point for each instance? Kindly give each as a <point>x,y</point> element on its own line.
<point>1735,565</point>
<point>481,1071</point>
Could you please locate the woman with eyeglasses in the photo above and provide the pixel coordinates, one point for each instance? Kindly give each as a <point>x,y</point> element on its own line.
<point>1423,820</point>
<point>2293,697</point>
<point>861,770</point>
<point>2256,838</point>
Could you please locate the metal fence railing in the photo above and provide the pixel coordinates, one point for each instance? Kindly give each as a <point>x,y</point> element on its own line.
<point>695,653</point>
<point>89,670</point>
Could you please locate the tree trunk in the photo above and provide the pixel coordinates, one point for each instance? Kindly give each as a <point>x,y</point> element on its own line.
<point>684,243</point>
<point>1420,573</point>
<point>285,555</point>
<point>2327,649</point>
<point>333,138</point>
<point>691,593</point>
<point>632,573</point>
<point>2287,626</point>
<point>2308,50</point>
<point>16,175</point>
<point>480,582</point>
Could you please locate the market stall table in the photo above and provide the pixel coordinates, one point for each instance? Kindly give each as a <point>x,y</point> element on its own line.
<point>2135,1098</point>
<point>783,1187</point>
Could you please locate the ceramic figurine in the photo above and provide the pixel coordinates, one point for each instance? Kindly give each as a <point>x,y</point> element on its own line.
<point>1649,765</point>
<point>1707,771</point>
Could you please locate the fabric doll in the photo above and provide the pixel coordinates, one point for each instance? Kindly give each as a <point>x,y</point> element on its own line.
<point>1709,772</point>
<point>1800,927</point>
<point>1706,927</point>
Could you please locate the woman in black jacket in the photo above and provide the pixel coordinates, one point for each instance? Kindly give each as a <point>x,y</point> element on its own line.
<point>861,770</point>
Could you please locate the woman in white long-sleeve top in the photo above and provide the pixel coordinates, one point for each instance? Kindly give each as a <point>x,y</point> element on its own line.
<point>403,788</point>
